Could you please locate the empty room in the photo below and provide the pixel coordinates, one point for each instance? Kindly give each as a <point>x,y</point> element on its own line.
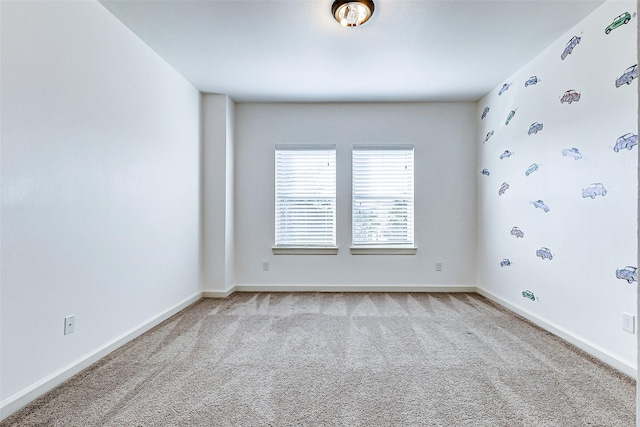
<point>319,212</point>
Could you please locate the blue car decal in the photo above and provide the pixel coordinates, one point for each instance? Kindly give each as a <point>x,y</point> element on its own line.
<point>532,81</point>
<point>628,273</point>
<point>535,127</point>
<point>628,141</point>
<point>515,231</point>
<point>531,169</point>
<point>544,253</point>
<point>506,154</point>
<point>572,152</point>
<point>489,135</point>
<point>505,87</point>
<point>539,204</point>
<point>568,49</point>
<point>593,190</point>
<point>628,76</point>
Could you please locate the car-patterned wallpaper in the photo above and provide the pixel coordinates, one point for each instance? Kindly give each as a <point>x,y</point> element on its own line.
<point>558,181</point>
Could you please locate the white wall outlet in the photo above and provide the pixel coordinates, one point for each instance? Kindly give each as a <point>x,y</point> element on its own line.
<point>438,266</point>
<point>265,266</point>
<point>628,323</point>
<point>69,324</point>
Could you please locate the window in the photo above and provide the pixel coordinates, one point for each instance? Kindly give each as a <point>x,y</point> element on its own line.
<point>305,199</point>
<point>382,215</point>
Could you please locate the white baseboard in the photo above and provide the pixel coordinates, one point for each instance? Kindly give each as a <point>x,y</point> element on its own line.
<point>218,294</point>
<point>26,396</point>
<point>584,345</point>
<point>354,288</point>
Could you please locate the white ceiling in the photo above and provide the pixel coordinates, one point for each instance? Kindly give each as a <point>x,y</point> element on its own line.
<point>293,50</point>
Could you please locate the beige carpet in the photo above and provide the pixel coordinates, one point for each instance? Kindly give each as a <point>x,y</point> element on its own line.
<point>341,359</point>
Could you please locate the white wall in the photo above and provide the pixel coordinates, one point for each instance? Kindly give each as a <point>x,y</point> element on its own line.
<point>218,195</point>
<point>638,294</point>
<point>576,292</point>
<point>100,187</point>
<point>445,201</point>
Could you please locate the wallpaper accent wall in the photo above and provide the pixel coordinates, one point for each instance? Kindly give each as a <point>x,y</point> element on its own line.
<point>558,185</point>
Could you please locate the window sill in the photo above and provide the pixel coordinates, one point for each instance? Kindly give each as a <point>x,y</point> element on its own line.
<point>372,250</point>
<point>304,250</point>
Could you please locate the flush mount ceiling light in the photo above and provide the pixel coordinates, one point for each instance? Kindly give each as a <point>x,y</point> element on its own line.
<point>352,13</point>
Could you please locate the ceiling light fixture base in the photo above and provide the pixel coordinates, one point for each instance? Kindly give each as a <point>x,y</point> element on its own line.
<point>352,13</point>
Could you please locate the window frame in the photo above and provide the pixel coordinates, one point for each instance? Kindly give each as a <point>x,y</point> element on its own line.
<point>408,248</point>
<point>304,248</point>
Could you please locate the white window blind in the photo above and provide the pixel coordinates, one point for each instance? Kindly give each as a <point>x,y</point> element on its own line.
<point>382,196</point>
<point>305,196</point>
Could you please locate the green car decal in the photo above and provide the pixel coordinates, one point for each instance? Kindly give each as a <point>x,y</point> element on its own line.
<point>529,294</point>
<point>618,21</point>
<point>510,116</point>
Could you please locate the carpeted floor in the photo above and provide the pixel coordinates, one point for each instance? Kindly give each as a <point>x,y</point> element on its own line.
<point>341,359</point>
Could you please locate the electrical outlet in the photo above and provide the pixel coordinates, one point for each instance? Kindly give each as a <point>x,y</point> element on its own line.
<point>438,266</point>
<point>628,323</point>
<point>69,324</point>
<point>265,266</point>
